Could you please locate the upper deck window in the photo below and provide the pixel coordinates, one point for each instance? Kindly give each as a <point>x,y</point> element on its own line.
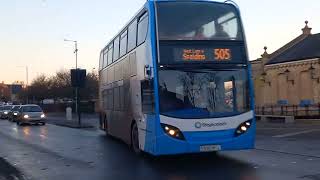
<point>198,21</point>
<point>110,52</point>
<point>142,28</point>
<point>132,35</point>
<point>123,43</point>
<point>116,49</point>
<point>101,61</point>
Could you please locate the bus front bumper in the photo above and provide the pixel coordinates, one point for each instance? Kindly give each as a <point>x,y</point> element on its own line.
<point>195,141</point>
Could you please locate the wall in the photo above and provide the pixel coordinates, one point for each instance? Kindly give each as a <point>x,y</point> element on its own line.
<point>293,82</point>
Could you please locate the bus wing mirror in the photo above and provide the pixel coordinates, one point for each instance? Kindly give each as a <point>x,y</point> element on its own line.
<point>147,71</point>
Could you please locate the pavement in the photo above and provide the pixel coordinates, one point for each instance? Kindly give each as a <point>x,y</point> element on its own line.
<point>284,152</point>
<point>87,121</point>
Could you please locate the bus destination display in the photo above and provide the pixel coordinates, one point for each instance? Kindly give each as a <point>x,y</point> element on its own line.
<point>203,54</point>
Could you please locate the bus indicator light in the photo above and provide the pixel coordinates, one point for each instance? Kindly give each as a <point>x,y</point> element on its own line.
<point>222,54</point>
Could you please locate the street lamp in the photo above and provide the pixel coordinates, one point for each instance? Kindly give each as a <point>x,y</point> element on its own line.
<point>76,52</point>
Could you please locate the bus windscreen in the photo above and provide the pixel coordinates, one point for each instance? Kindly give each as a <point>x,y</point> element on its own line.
<point>198,21</point>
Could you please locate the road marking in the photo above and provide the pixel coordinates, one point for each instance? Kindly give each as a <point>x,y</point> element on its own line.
<point>295,133</point>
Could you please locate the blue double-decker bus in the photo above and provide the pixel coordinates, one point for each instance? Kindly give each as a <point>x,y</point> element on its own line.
<point>176,79</point>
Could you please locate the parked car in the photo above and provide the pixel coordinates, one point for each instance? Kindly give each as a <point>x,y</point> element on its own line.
<point>5,111</point>
<point>31,114</point>
<point>13,114</point>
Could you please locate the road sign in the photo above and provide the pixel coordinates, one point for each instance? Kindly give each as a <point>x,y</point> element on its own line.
<point>78,77</point>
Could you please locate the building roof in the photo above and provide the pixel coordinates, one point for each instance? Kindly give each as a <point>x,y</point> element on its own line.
<point>306,48</point>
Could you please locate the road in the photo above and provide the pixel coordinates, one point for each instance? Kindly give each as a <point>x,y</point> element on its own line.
<point>53,152</point>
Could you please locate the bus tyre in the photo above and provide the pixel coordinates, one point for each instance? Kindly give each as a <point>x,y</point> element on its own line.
<point>135,139</point>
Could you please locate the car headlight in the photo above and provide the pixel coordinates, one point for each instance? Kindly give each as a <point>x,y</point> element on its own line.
<point>172,131</point>
<point>26,116</point>
<point>6,112</point>
<point>15,114</point>
<point>43,116</point>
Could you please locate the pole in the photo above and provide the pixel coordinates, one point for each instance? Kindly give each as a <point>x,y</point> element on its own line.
<point>76,52</point>
<point>77,89</point>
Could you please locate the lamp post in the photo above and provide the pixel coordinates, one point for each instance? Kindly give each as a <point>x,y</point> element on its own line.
<point>76,52</point>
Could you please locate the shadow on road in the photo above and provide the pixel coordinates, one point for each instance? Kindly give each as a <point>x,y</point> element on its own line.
<point>8,172</point>
<point>177,167</point>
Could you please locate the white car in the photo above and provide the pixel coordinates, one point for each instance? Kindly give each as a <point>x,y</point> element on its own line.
<point>31,114</point>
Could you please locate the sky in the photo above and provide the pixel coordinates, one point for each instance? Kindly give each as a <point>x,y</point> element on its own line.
<point>32,31</point>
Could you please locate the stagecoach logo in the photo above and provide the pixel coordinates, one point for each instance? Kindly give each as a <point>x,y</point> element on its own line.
<point>200,125</point>
<point>197,124</point>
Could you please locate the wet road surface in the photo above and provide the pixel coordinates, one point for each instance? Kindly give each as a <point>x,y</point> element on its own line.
<point>9,172</point>
<point>55,152</point>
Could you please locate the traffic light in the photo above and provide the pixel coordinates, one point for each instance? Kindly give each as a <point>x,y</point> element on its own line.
<point>78,77</point>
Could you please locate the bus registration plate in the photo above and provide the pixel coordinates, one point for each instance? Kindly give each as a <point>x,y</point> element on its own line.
<point>210,148</point>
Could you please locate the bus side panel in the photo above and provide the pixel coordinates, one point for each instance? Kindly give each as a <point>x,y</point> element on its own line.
<point>127,113</point>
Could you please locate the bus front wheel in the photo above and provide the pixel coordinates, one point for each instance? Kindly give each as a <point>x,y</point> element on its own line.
<point>135,139</point>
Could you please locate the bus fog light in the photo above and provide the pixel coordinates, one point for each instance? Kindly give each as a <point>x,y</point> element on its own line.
<point>172,131</point>
<point>242,128</point>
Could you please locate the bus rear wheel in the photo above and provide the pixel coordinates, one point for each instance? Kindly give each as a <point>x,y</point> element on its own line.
<point>135,139</point>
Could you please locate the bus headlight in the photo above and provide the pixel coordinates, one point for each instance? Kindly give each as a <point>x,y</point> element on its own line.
<point>243,128</point>
<point>26,116</point>
<point>172,131</point>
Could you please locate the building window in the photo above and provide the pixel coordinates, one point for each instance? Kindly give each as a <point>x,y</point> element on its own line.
<point>132,35</point>
<point>123,43</point>
<point>142,28</point>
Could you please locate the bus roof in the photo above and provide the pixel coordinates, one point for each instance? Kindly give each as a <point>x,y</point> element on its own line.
<point>141,10</point>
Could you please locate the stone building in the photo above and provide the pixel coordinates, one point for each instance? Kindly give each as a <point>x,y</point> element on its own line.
<point>291,74</point>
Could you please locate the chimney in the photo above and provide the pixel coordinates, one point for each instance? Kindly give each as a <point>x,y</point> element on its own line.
<point>306,30</point>
<point>265,57</point>
<point>265,54</point>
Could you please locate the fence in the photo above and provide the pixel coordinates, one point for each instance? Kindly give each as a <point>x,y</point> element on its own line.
<point>84,107</point>
<point>309,111</point>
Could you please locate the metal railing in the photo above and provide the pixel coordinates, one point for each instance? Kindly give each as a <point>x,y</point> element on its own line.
<point>289,110</point>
